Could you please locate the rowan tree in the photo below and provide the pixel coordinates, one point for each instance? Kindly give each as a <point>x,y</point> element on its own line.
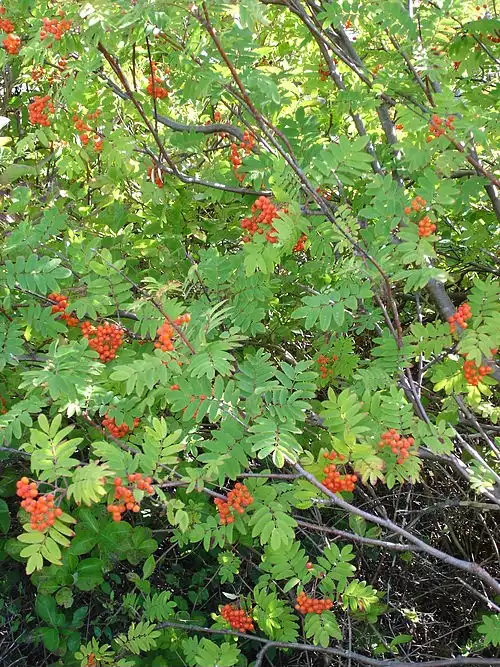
<point>249,325</point>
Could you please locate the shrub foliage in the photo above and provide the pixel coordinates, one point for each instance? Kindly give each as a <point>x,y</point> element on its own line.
<point>249,319</point>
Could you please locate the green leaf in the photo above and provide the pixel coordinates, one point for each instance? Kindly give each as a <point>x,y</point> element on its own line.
<point>50,638</point>
<point>88,574</point>
<point>83,541</point>
<point>322,627</point>
<point>4,516</point>
<point>46,608</point>
<point>490,628</point>
<point>148,567</point>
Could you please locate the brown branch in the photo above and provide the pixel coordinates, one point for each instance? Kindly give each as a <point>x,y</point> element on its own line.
<point>352,537</point>
<point>339,652</point>
<point>467,566</point>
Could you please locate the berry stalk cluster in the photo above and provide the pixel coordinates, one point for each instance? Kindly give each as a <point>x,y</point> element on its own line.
<point>105,339</point>
<point>436,126</point>
<point>154,175</point>
<point>166,333</point>
<point>84,128</point>
<point>61,303</point>
<point>264,213</point>
<point>237,618</point>
<point>307,605</point>
<point>237,500</point>
<point>416,204</point>
<point>12,44</point>
<point>301,244</point>
<point>246,145</point>
<point>460,317</point>
<point>473,374</point>
<point>125,494</point>
<point>399,445</point>
<point>41,508</point>
<point>425,226</point>
<point>39,109</point>
<point>115,430</point>
<point>324,362</point>
<point>334,481</point>
<point>323,71</point>
<point>155,86</point>
<point>55,27</point>
<point>5,24</point>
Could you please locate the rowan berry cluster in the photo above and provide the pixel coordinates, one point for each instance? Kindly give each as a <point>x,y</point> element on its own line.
<point>237,500</point>
<point>323,362</point>
<point>6,25</point>
<point>37,72</point>
<point>326,195</point>
<point>125,494</point>
<point>3,405</point>
<point>237,618</point>
<point>41,508</point>
<point>12,44</point>
<point>307,605</point>
<point>247,142</point>
<point>55,27</point>
<point>61,303</point>
<point>39,109</point>
<point>416,204</point>
<point>246,145</point>
<point>436,126</point>
<point>426,227</point>
<point>56,73</point>
<point>115,430</point>
<point>268,213</point>
<point>83,128</point>
<point>167,332</point>
<point>473,374</point>
<point>398,444</point>
<point>155,87</point>
<point>182,319</point>
<point>106,339</point>
<point>154,174</point>
<point>375,71</point>
<point>323,71</point>
<point>334,481</point>
<point>301,244</point>
<point>462,314</point>
<point>236,161</point>
<point>217,119</point>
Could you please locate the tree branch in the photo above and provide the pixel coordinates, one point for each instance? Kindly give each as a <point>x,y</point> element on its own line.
<point>339,652</point>
<point>467,566</point>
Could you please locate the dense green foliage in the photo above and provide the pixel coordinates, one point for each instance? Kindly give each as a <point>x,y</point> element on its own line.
<point>248,324</point>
